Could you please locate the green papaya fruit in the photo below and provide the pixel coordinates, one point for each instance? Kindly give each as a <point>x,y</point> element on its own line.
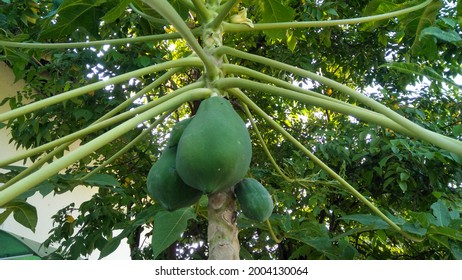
<point>215,150</point>
<point>166,187</point>
<point>177,131</point>
<point>255,201</point>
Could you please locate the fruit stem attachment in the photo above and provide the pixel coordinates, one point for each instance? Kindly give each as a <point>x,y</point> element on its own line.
<point>273,235</point>
<point>263,144</point>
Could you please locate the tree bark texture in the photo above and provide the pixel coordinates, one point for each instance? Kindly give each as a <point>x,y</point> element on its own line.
<point>222,228</point>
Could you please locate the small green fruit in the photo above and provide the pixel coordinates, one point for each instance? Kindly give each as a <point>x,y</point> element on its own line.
<point>255,201</point>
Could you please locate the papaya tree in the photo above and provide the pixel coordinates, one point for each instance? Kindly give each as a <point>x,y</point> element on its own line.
<point>262,119</point>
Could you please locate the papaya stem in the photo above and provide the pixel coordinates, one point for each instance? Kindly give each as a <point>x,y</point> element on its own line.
<point>101,123</point>
<point>230,27</point>
<point>333,105</point>
<point>224,10</point>
<point>146,16</point>
<point>239,94</point>
<point>437,139</point>
<point>166,10</point>
<point>128,146</point>
<point>273,235</point>
<point>191,61</point>
<point>111,113</point>
<point>262,142</point>
<point>201,10</point>
<point>88,44</point>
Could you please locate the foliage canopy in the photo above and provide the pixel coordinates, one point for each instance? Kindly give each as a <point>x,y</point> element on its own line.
<point>352,107</point>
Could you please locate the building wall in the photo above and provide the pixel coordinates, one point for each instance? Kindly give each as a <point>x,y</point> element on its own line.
<point>49,205</point>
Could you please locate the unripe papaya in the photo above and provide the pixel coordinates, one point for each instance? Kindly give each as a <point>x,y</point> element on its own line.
<point>166,187</point>
<point>215,150</point>
<point>255,201</point>
<point>177,131</point>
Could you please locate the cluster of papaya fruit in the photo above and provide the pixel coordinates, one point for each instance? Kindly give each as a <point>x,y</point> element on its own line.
<point>205,154</point>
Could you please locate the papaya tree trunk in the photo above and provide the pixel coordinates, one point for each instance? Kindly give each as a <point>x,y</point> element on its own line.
<point>222,226</point>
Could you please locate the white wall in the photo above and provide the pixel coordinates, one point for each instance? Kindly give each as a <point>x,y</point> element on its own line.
<point>49,205</point>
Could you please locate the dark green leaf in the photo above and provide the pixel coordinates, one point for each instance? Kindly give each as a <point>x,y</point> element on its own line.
<point>275,11</point>
<point>113,244</point>
<point>447,232</point>
<point>418,70</point>
<point>367,220</point>
<point>75,14</point>
<point>424,19</point>
<point>23,213</point>
<point>456,249</point>
<point>168,227</point>
<point>102,180</point>
<point>415,229</point>
<point>447,36</point>
<point>116,11</point>
<point>441,212</point>
<point>376,7</point>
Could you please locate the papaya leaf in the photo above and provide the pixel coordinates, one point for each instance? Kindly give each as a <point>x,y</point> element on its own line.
<point>415,69</point>
<point>441,213</point>
<point>426,19</point>
<point>456,249</point>
<point>114,13</point>
<point>168,227</point>
<point>447,232</point>
<point>377,7</point>
<point>447,36</point>
<point>414,229</point>
<point>367,220</point>
<point>274,11</point>
<point>75,14</point>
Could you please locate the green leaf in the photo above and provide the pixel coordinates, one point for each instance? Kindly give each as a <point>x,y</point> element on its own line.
<point>102,180</point>
<point>168,227</point>
<point>180,7</point>
<point>82,114</point>
<point>447,36</point>
<point>441,213</point>
<point>367,220</point>
<point>422,20</point>
<point>377,7</point>
<point>446,231</point>
<point>113,243</point>
<point>116,11</point>
<point>75,14</point>
<point>456,249</point>
<point>291,40</point>
<point>143,217</point>
<point>4,215</point>
<point>274,11</point>
<point>23,213</point>
<point>415,69</point>
<point>415,229</point>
